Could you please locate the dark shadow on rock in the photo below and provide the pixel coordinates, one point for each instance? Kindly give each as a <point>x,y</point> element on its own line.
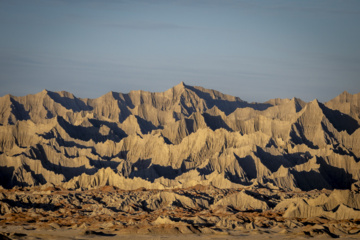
<point>200,195</point>
<point>338,178</point>
<point>19,111</point>
<point>146,170</point>
<point>331,234</point>
<point>30,205</point>
<point>314,232</point>
<point>248,165</point>
<point>298,105</point>
<point>235,178</point>
<point>124,102</point>
<point>113,126</point>
<point>6,179</point>
<point>340,121</point>
<point>70,144</point>
<point>188,164</point>
<point>167,141</point>
<point>310,180</point>
<point>85,133</point>
<point>189,125</point>
<point>256,195</point>
<point>99,233</point>
<point>4,236</point>
<point>300,138</point>
<point>227,106</point>
<point>38,153</point>
<point>122,154</point>
<point>124,99</point>
<point>202,171</point>
<point>272,162</point>
<point>271,143</point>
<point>39,178</point>
<point>337,147</point>
<point>10,181</point>
<point>145,126</point>
<point>328,132</point>
<point>103,163</point>
<point>215,122</point>
<point>73,104</point>
<point>183,128</point>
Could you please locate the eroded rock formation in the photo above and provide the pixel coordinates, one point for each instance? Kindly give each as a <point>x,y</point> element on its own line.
<point>109,211</point>
<point>179,138</point>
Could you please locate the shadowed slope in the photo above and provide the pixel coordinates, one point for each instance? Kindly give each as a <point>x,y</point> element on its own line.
<point>178,138</point>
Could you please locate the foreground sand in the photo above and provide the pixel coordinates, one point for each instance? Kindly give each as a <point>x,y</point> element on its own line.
<point>16,233</point>
<point>199,212</point>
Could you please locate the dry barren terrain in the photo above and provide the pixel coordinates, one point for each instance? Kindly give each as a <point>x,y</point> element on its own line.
<point>185,161</point>
<point>109,212</point>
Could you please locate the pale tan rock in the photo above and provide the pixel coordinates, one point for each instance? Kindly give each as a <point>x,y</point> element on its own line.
<point>243,201</point>
<point>179,138</point>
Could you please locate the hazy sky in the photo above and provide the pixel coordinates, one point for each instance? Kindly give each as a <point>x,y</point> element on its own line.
<point>255,49</point>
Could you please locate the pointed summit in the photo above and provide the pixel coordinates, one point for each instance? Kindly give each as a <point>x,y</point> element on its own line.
<point>181,85</point>
<point>345,93</point>
<point>43,93</point>
<point>298,103</point>
<point>345,98</point>
<point>315,101</point>
<point>313,110</point>
<point>176,90</point>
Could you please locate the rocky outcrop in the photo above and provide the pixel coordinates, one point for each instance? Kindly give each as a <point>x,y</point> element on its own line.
<point>109,211</point>
<point>178,138</point>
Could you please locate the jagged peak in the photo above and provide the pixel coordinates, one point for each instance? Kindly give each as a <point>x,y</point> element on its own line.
<point>347,97</point>
<point>177,88</point>
<point>211,94</point>
<point>41,94</point>
<point>278,101</point>
<point>299,104</point>
<point>45,91</point>
<point>299,100</point>
<point>7,97</point>
<point>315,101</point>
<point>56,94</point>
<point>312,108</point>
<point>215,111</point>
<point>66,94</point>
<point>316,111</point>
<point>131,129</point>
<point>181,84</point>
<point>346,93</point>
<point>315,104</point>
<point>110,96</point>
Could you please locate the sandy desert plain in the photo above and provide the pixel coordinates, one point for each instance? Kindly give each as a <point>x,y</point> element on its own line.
<point>185,163</point>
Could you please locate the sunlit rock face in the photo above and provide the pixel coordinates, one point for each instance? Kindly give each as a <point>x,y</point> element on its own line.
<point>180,138</point>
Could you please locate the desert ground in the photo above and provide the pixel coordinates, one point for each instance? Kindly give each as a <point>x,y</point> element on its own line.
<point>199,212</point>
<point>186,163</point>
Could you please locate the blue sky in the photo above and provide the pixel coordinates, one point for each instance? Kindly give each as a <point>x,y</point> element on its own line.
<point>255,49</point>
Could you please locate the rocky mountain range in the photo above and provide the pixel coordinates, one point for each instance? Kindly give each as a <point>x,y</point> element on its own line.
<point>179,138</point>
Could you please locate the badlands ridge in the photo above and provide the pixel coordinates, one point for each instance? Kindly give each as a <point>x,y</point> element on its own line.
<point>179,138</point>
<point>189,155</point>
